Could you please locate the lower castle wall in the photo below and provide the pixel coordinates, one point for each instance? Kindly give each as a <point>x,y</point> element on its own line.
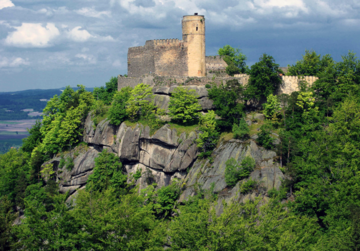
<point>289,83</point>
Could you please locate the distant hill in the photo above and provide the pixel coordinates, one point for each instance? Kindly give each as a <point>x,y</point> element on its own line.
<point>27,104</point>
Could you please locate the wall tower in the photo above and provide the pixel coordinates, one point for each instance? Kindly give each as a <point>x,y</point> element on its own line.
<point>193,32</point>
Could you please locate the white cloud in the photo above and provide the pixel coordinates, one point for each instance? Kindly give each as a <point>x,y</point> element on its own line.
<point>91,12</point>
<point>13,62</point>
<point>88,58</point>
<point>79,35</point>
<point>32,35</point>
<point>117,64</point>
<point>6,4</point>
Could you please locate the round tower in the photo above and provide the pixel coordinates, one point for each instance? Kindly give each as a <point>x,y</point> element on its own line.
<point>193,31</point>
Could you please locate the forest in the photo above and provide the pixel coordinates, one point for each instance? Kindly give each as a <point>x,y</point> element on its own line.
<point>316,208</point>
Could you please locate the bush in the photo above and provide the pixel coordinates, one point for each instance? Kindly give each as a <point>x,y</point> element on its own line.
<point>69,163</point>
<point>117,112</point>
<point>271,107</point>
<point>166,199</point>
<point>235,172</point>
<point>232,70</point>
<point>226,104</point>
<point>137,174</point>
<point>140,102</point>
<point>242,130</point>
<point>264,138</point>
<point>248,186</point>
<point>209,137</point>
<point>184,106</point>
<point>208,86</point>
<point>99,111</point>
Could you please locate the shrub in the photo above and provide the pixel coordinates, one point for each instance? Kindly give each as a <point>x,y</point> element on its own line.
<point>209,137</point>
<point>271,107</point>
<point>117,112</point>
<point>248,186</point>
<point>235,172</point>
<point>242,130</point>
<point>232,70</point>
<point>264,138</point>
<point>69,163</point>
<point>137,174</point>
<point>184,106</point>
<point>99,111</point>
<point>140,102</point>
<point>166,199</point>
<point>208,86</point>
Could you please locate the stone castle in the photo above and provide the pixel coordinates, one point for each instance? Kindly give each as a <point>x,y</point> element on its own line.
<point>172,62</point>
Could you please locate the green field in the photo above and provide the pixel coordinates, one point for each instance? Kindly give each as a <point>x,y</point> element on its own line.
<point>9,123</point>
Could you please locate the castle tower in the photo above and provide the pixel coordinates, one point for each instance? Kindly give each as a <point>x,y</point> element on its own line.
<point>193,32</point>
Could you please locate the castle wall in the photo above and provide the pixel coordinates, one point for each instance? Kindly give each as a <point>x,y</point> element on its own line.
<point>170,57</point>
<point>215,63</point>
<point>291,83</point>
<point>141,60</point>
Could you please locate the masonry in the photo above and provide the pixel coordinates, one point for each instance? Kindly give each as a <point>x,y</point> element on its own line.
<point>172,57</point>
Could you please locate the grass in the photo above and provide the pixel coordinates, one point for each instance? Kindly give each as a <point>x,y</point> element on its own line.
<point>254,128</point>
<point>183,128</point>
<point>9,123</point>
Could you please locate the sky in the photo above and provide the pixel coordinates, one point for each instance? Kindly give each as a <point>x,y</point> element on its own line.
<point>47,44</point>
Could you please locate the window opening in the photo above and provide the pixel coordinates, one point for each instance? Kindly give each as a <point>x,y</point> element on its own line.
<point>197,28</point>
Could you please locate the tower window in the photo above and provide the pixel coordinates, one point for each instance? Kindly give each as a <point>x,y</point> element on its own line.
<point>197,28</point>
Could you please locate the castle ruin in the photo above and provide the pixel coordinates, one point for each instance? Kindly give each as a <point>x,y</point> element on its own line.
<point>172,62</point>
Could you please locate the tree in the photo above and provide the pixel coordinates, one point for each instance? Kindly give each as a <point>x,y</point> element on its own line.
<point>271,107</point>
<point>184,106</point>
<point>264,78</point>
<point>140,103</point>
<point>242,130</point>
<point>227,105</point>
<point>106,94</point>
<point>117,112</point>
<point>235,60</point>
<point>34,138</point>
<point>264,138</point>
<point>7,217</point>
<point>312,64</point>
<point>209,137</point>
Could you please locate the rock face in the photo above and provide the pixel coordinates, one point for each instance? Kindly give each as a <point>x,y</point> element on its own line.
<point>166,156</point>
<point>163,93</point>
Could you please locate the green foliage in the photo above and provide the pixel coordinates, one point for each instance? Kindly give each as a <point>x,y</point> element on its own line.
<point>271,107</point>
<point>312,64</point>
<point>117,112</point>
<point>226,103</point>
<point>247,186</point>
<point>264,78</point>
<point>99,111</point>
<point>264,138</point>
<point>235,60</point>
<point>69,163</point>
<point>137,174</point>
<point>235,172</point>
<point>184,106</point>
<point>34,139</point>
<point>63,117</point>
<point>106,93</point>
<point>242,130</point>
<point>140,103</point>
<point>207,86</point>
<point>107,173</point>
<point>7,217</point>
<point>209,137</point>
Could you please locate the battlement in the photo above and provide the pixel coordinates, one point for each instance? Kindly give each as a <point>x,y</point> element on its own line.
<point>167,41</point>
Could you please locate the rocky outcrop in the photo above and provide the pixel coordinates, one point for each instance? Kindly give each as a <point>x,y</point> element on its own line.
<point>167,155</point>
<point>162,96</point>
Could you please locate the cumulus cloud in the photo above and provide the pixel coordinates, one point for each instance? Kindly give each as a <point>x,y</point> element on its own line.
<point>5,4</point>
<point>12,62</point>
<point>87,58</point>
<point>32,35</point>
<point>91,12</point>
<point>79,35</point>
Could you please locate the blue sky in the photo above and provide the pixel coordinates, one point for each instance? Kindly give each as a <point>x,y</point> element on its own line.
<point>50,44</point>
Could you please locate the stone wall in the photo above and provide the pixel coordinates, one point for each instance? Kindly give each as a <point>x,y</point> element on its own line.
<point>141,60</point>
<point>215,63</point>
<point>291,83</point>
<point>170,57</point>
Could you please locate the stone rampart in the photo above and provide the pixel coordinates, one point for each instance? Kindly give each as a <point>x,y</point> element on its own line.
<point>289,83</point>
<point>215,63</point>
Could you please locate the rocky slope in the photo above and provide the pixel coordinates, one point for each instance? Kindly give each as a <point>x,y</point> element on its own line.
<point>166,156</point>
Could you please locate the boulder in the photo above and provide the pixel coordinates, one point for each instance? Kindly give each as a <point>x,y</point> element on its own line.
<point>162,102</point>
<point>104,134</point>
<point>89,130</point>
<point>166,136</point>
<point>129,150</point>
<point>206,103</point>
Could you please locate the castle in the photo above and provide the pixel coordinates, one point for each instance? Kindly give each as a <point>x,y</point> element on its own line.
<point>172,62</point>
